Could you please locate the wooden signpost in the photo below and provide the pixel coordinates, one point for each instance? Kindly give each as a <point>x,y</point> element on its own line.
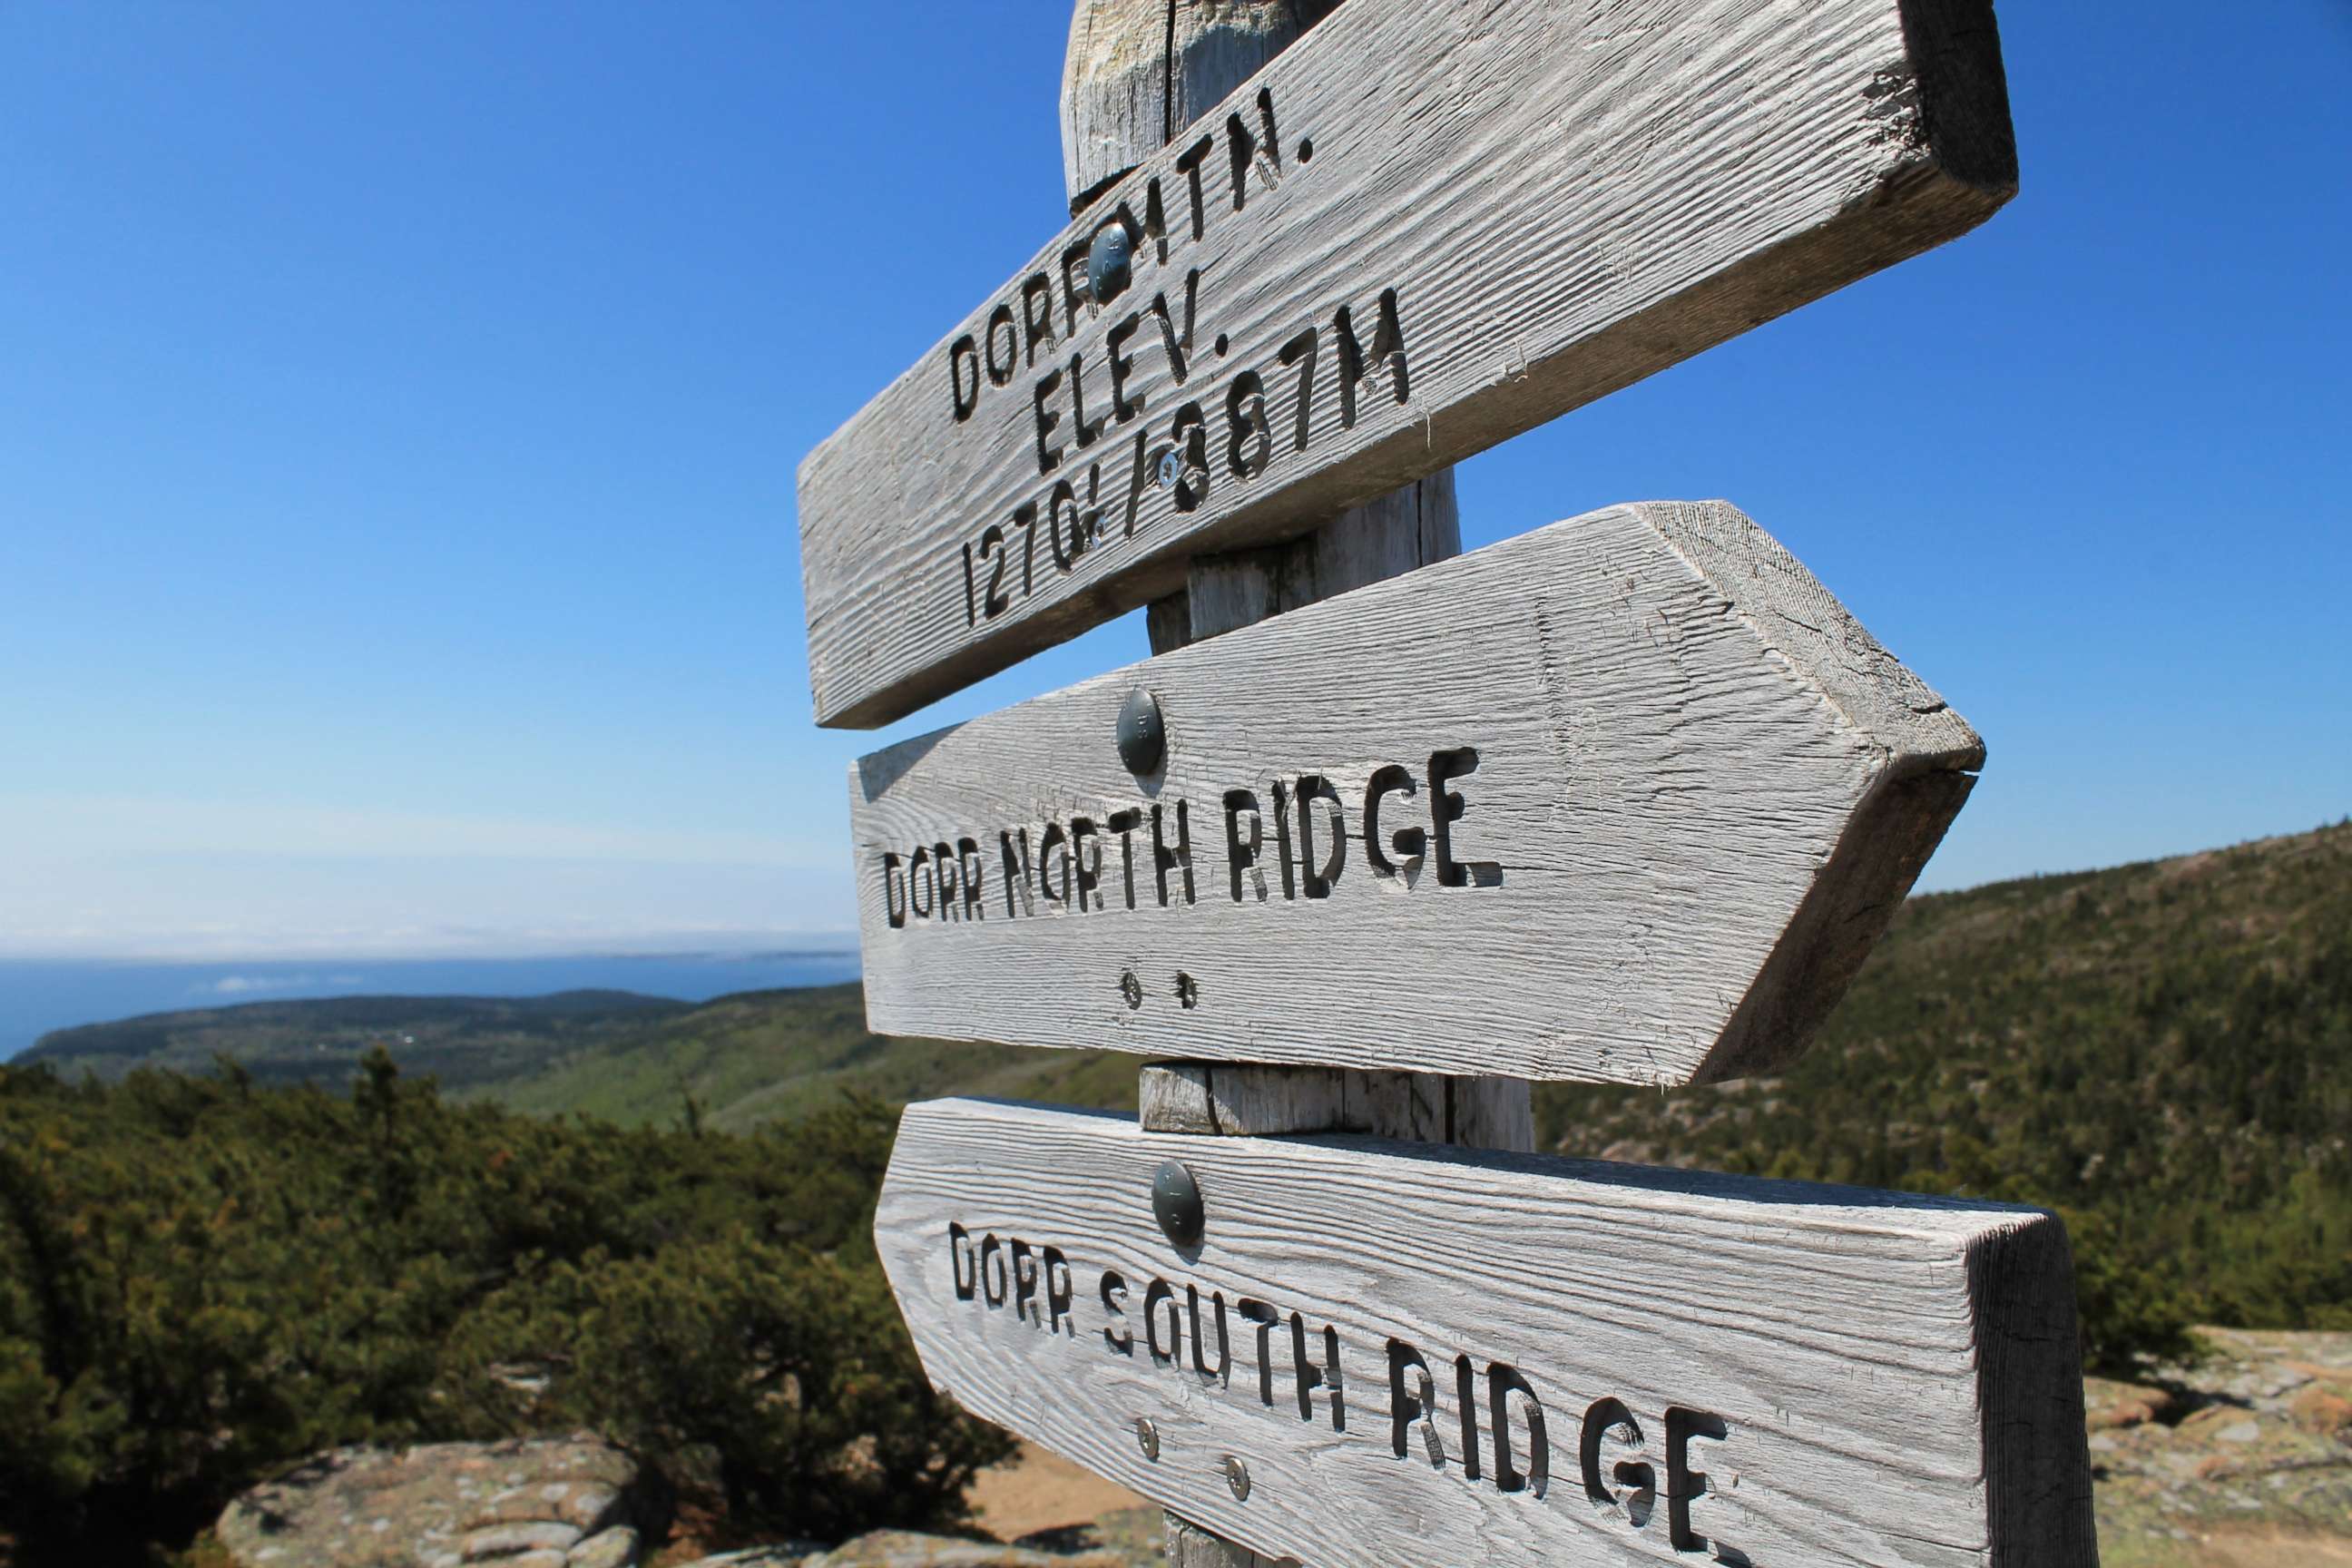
<point>1627,798</point>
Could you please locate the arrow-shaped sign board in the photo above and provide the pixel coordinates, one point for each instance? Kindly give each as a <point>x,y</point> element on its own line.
<point>1424,230</point>
<point>1380,1353</point>
<point>1626,798</point>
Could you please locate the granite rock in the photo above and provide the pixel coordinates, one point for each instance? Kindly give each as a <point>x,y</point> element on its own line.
<point>530,1503</point>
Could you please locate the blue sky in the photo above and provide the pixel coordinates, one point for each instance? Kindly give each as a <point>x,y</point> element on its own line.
<point>399,407</point>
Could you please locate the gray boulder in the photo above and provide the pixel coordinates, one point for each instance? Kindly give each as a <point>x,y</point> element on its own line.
<point>573,1502</point>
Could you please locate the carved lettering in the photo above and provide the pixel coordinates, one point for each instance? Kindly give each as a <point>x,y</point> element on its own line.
<point>960,1251</point>
<point>1116,1334</point>
<point>1265,1317</point>
<point>1356,362</point>
<point>1246,440</point>
<point>1223,1373</point>
<point>919,880</point>
<point>1618,1478</point>
<point>1048,844</point>
<point>1049,458</point>
<point>1605,1422</point>
<point>965,396</point>
<point>1502,1381</point>
<point>1156,1295</point>
<point>1037,315</point>
<point>1311,1374</point>
<point>1684,1484</point>
<point>1016,873</point>
<point>1070,869</point>
<point>1316,876</point>
<point>1445,808</point>
<point>1239,854</point>
<point>1024,1281</point>
<point>1060,1319</point>
<point>1406,1408</point>
<point>1002,366</point>
<point>1408,842</point>
<point>1122,407</point>
<point>968,859</point>
<point>1165,859</point>
<point>1085,858</point>
<point>992,1283</point>
<point>1187,164</point>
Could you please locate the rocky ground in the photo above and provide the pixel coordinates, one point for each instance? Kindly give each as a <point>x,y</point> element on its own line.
<point>2241,1460</point>
<point>2244,1458</point>
<point>576,1503</point>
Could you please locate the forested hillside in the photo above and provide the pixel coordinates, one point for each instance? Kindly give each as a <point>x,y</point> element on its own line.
<point>2163,1051</point>
<point>202,1280</point>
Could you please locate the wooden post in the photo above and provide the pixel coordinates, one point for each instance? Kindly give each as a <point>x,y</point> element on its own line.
<point>1137,71</point>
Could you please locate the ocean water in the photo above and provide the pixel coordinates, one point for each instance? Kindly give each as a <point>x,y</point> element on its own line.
<point>38,996</point>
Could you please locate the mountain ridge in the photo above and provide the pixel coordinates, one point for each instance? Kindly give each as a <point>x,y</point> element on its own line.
<point>2161,1052</point>
<point>467,1041</point>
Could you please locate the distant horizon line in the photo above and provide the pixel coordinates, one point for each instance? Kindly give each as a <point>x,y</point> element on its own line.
<point>744,946</point>
<point>830,945</point>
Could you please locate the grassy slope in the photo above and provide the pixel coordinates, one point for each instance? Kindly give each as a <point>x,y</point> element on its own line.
<point>467,1041</point>
<point>765,1055</point>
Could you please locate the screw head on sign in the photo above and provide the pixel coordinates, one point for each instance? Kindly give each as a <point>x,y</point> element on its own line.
<point>1143,738</point>
<point>1237,1477</point>
<point>1146,1436</point>
<point>1171,469</point>
<point>1176,1204</point>
<point>1108,261</point>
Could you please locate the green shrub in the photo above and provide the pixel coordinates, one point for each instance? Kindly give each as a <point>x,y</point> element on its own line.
<point>201,1280</point>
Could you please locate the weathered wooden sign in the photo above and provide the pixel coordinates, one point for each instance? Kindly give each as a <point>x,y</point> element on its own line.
<point>1424,230</point>
<point>1378,1354</point>
<point>1626,798</point>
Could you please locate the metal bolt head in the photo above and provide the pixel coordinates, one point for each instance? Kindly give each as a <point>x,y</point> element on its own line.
<point>1176,1204</point>
<point>1108,262</point>
<point>1142,740</point>
<point>1170,470</point>
<point>1146,1436</point>
<point>1237,1477</point>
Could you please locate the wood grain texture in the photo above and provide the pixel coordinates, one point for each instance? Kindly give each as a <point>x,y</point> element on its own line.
<point>1565,198</point>
<point>1888,1386</point>
<point>1245,1099</point>
<point>1413,526</point>
<point>1700,791</point>
<point>1189,1546</point>
<point>1140,71</point>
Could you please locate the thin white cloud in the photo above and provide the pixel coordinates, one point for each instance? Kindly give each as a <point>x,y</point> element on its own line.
<point>67,827</point>
<point>249,943</point>
<point>248,985</point>
<point>104,879</point>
